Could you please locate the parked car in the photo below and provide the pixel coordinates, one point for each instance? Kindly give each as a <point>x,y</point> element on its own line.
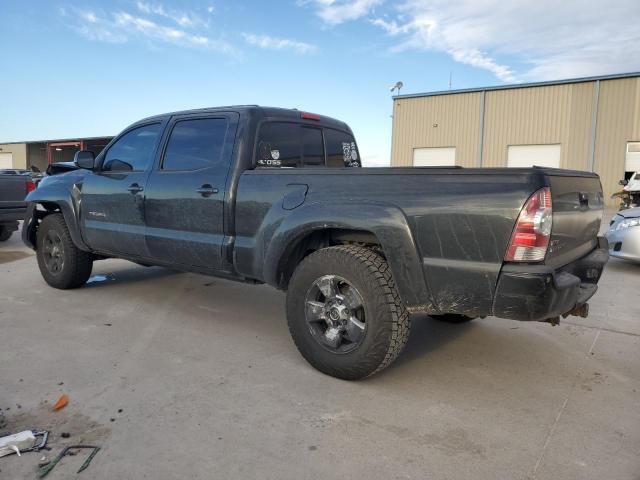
<point>276,196</point>
<point>13,190</point>
<point>624,235</point>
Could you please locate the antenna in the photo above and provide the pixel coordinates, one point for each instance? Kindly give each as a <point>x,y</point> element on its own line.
<point>450,78</point>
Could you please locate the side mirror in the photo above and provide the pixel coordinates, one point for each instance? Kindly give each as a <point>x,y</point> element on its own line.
<point>623,182</point>
<point>84,159</point>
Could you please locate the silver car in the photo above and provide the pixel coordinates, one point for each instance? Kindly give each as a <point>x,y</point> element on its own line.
<point>624,235</point>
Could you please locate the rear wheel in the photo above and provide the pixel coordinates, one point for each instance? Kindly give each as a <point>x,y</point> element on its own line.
<point>344,312</point>
<point>62,264</point>
<point>5,234</point>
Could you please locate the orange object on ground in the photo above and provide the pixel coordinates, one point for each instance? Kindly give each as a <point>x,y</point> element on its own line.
<point>61,403</point>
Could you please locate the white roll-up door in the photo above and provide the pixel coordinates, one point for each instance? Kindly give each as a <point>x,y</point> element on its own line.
<point>434,157</point>
<point>6,160</point>
<point>632,163</point>
<point>530,155</point>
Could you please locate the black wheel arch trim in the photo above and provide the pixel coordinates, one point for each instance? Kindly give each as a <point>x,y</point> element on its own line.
<point>65,201</point>
<point>386,222</point>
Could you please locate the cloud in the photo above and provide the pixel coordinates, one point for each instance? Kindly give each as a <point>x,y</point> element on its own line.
<point>545,39</point>
<point>185,19</point>
<point>271,43</point>
<point>334,12</point>
<point>120,27</point>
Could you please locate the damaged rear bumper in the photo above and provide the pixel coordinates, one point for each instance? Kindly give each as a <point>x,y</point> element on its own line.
<point>538,292</point>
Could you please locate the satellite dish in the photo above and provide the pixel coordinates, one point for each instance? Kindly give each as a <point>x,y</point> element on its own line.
<point>397,87</point>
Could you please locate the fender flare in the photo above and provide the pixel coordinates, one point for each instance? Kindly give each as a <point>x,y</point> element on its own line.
<point>66,201</point>
<point>387,222</point>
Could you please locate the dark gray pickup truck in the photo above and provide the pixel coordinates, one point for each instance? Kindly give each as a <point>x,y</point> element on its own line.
<point>276,196</point>
<point>14,188</point>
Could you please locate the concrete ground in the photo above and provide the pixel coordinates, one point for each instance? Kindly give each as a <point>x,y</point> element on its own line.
<point>184,376</point>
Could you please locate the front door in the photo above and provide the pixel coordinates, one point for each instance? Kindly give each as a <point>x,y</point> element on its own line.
<point>112,206</point>
<point>185,193</point>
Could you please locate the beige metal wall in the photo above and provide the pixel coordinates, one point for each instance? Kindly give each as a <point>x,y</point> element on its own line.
<point>556,114</point>
<point>442,121</point>
<point>19,151</point>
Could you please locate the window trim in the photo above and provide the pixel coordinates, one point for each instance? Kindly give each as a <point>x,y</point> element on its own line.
<point>172,127</point>
<point>106,150</point>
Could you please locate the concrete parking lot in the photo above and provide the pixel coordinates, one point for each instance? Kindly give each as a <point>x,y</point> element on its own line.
<point>183,376</point>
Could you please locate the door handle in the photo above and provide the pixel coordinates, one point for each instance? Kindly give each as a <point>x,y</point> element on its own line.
<point>207,190</point>
<point>135,188</point>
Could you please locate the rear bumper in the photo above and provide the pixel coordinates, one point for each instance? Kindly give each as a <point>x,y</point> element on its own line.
<point>537,292</point>
<point>12,214</point>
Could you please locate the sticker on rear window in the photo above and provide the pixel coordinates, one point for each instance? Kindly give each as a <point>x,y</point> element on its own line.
<point>350,154</point>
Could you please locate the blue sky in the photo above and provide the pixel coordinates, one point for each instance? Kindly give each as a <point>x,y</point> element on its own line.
<point>88,68</point>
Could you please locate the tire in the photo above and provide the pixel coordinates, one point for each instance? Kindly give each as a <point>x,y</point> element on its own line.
<point>73,265</point>
<point>452,318</point>
<point>5,234</point>
<point>366,276</point>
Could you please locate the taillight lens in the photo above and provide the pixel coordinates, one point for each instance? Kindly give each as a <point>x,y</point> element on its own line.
<point>31,186</point>
<point>530,237</point>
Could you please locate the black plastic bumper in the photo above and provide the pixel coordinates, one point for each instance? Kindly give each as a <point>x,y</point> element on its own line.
<point>537,292</point>
<point>12,214</point>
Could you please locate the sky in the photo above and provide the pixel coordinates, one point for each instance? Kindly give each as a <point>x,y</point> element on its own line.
<point>89,68</point>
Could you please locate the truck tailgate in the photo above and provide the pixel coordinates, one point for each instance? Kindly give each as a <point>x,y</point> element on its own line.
<point>13,190</point>
<point>577,214</point>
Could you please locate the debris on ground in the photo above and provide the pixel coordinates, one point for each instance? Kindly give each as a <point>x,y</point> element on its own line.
<point>16,443</point>
<point>22,442</point>
<point>70,450</point>
<point>61,402</point>
<point>65,434</point>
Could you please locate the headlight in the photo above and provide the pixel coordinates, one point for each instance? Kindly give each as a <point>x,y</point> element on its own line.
<point>626,223</point>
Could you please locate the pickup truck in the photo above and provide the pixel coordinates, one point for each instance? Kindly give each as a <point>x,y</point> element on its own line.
<point>276,196</point>
<point>13,190</point>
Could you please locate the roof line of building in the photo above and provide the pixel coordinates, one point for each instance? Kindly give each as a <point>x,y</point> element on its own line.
<point>59,140</point>
<point>519,85</point>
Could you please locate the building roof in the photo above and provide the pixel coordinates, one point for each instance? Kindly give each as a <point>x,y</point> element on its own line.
<point>60,140</point>
<point>520,85</point>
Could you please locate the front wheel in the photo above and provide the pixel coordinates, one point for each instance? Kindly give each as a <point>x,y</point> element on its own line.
<point>344,312</point>
<point>62,264</point>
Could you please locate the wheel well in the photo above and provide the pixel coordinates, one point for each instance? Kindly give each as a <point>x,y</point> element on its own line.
<point>322,239</point>
<point>42,210</point>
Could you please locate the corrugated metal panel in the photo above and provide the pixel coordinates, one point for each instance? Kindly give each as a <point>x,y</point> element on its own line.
<point>549,114</point>
<point>529,117</point>
<point>451,121</point>
<point>617,125</point>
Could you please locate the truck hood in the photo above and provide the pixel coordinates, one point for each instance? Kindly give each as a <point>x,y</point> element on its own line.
<point>61,167</point>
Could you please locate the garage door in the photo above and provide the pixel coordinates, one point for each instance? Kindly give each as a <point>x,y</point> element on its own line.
<point>434,157</point>
<point>530,155</point>
<point>6,160</point>
<point>632,163</point>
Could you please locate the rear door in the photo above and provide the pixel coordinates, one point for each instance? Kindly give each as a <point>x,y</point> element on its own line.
<point>187,190</point>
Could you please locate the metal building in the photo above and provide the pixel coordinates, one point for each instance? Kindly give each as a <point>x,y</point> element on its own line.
<point>584,124</point>
<point>40,153</point>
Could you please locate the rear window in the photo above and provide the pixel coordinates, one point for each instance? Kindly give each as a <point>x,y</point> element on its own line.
<point>341,149</point>
<point>291,145</point>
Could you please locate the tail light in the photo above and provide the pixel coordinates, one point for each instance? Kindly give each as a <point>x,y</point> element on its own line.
<point>530,237</point>
<point>30,185</point>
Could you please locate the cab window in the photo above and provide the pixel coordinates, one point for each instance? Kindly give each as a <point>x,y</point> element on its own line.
<point>195,144</point>
<point>134,151</point>
<point>289,145</point>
